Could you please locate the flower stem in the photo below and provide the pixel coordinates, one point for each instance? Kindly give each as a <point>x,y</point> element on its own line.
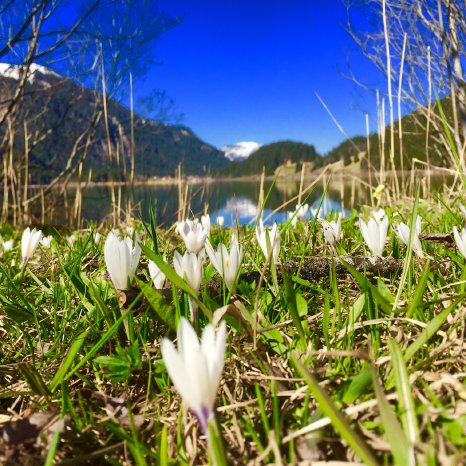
<point>215,444</point>
<point>193,311</point>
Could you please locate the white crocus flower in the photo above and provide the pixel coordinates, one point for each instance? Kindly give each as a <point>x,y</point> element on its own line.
<point>226,263</point>
<point>463,210</point>
<point>97,237</point>
<point>193,234</point>
<point>189,267</point>
<point>205,222</point>
<point>29,243</point>
<point>71,240</point>
<point>274,239</point>
<point>379,215</point>
<point>294,218</point>
<point>374,234</point>
<point>332,231</point>
<point>316,213</point>
<point>196,367</point>
<point>7,245</point>
<point>220,220</point>
<point>157,276</point>
<point>460,240</point>
<point>121,259</point>
<point>46,241</point>
<point>403,233</point>
<point>302,210</point>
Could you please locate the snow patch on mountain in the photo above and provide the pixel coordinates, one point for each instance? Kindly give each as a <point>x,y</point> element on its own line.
<point>8,70</point>
<point>240,150</point>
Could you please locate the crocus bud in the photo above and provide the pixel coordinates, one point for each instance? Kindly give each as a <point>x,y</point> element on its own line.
<point>193,234</point>
<point>226,263</point>
<point>29,243</point>
<point>121,259</point>
<point>374,234</point>
<point>189,267</point>
<point>274,239</point>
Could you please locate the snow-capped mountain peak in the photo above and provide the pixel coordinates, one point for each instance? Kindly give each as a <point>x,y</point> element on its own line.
<point>240,150</point>
<point>8,70</point>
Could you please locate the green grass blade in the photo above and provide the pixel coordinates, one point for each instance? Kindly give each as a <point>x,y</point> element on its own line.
<point>163,450</point>
<point>367,285</point>
<point>339,421</point>
<point>355,311</point>
<point>105,337</point>
<point>175,279</point>
<point>401,449</point>
<point>432,327</point>
<point>405,398</point>
<point>35,381</point>
<point>290,299</point>
<point>49,460</point>
<point>68,361</point>
<point>409,251</point>
<point>418,293</point>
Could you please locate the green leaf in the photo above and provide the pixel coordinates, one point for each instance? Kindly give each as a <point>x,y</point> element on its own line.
<point>165,311</point>
<point>358,385</point>
<point>385,291</point>
<point>36,382</point>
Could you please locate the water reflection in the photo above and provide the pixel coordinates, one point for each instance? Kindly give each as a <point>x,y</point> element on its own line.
<point>236,201</point>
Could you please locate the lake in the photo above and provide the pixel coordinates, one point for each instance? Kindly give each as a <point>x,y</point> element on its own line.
<point>235,200</point>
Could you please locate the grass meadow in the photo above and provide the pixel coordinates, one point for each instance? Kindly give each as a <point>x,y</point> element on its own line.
<point>328,357</point>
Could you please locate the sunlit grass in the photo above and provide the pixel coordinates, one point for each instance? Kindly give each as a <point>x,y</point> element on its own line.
<point>345,365</point>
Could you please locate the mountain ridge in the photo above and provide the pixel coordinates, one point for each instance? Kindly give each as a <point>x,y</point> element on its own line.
<point>57,111</point>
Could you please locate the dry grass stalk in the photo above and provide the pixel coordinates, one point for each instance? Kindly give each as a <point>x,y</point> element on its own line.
<point>301,183</point>
<point>390,96</point>
<point>132,147</point>
<point>26,173</point>
<point>260,202</point>
<point>180,193</point>
<point>400,124</point>
<point>368,149</point>
<point>42,206</point>
<point>105,110</point>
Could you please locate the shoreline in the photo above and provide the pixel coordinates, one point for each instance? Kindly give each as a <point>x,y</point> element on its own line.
<point>172,181</point>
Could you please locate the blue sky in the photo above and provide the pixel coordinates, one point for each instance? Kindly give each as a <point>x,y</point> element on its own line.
<point>248,71</point>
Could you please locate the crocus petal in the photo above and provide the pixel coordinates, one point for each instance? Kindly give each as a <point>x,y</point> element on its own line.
<point>460,240</point>
<point>29,243</point>
<point>176,370</point>
<point>121,260</point>
<point>189,267</point>
<point>196,367</point>
<point>157,276</point>
<point>212,256</point>
<point>403,233</point>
